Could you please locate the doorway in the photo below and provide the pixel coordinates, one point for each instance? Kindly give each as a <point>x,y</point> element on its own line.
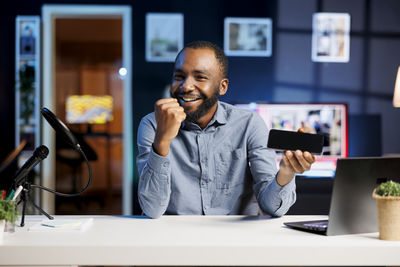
<point>87,53</point>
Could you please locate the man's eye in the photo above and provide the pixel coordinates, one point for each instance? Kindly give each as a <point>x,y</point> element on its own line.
<point>200,77</point>
<point>178,77</point>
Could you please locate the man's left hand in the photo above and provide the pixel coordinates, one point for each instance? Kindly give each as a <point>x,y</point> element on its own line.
<point>292,163</point>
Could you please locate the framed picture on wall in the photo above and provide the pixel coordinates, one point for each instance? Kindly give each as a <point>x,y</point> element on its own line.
<point>331,37</point>
<point>248,37</point>
<point>164,36</point>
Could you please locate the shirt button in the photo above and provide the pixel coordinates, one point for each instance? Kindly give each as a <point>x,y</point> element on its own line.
<point>165,164</point>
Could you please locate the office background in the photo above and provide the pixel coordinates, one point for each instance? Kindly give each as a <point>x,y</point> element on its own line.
<point>365,83</point>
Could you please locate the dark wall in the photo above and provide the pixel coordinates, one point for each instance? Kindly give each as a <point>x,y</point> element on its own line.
<point>366,83</point>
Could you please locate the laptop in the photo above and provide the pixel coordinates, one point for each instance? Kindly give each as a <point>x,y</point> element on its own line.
<point>352,209</point>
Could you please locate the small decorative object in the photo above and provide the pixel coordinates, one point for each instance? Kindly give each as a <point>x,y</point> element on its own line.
<point>387,197</point>
<point>396,95</point>
<point>8,213</point>
<point>248,37</point>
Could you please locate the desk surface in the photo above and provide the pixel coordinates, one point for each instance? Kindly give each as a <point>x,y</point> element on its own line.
<point>193,240</point>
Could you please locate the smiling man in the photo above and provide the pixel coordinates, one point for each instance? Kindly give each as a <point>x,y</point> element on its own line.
<point>198,155</point>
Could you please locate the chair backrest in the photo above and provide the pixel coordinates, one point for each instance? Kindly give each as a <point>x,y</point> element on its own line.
<point>13,156</point>
<point>9,166</point>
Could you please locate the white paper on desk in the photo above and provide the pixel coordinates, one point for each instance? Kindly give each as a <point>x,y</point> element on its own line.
<point>62,225</point>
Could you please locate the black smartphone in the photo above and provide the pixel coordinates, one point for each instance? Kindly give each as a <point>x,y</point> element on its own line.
<point>289,140</point>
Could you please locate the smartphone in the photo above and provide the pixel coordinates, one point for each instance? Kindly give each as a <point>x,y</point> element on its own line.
<point>289,140</point>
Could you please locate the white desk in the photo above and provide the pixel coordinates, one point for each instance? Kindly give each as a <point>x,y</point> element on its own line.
<point>193,240</point>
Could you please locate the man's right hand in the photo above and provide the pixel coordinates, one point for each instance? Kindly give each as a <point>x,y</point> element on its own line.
<point>169,117</point>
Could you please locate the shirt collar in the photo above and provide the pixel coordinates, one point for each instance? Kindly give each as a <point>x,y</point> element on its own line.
<point>219,116</point>
<point>218,119</point>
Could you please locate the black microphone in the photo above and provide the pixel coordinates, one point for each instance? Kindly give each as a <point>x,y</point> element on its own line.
<point>60,128</point>
<point>39,154</point>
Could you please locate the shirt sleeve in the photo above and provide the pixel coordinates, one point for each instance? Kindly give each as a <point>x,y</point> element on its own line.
<point>272,198</point>
<point>154,188</point>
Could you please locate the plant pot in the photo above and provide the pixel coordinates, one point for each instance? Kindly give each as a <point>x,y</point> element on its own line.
<point>388,216</point>
<point>2,226</point>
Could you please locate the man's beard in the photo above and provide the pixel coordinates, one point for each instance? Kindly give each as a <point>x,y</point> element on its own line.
<point>208,103</point>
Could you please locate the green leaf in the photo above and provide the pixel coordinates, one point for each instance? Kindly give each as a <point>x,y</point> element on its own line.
<point>389,189</point>
<point>8,211</point>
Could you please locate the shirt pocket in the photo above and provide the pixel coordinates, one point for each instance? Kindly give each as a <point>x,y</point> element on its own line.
<point>230,168</point>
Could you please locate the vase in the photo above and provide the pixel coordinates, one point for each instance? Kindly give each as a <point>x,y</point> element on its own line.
<point>388,208</point>
<point>2,226</point>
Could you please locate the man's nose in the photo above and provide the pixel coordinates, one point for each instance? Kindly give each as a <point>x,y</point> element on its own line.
<point>187,84</point>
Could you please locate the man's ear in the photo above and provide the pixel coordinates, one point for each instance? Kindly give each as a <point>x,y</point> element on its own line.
<point>223,86</point>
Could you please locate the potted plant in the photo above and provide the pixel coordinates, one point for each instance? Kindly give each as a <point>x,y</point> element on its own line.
<point>8,213</point>
<point>27,92</point>
<point>387,197</point>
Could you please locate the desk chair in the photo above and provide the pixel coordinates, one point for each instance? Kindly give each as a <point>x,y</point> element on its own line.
<point>10,165</point>
<point>69,156</point>
<point>313,196</point>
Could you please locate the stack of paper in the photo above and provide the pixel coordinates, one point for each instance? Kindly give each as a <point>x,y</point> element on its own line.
<point>62,225</point>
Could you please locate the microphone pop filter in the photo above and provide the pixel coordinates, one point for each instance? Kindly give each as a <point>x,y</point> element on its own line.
<point>59,127</point>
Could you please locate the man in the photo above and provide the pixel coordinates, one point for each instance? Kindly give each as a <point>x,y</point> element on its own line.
<point>198,155</point>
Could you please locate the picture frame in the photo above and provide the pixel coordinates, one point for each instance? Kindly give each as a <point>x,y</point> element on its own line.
<point>248,37</point>
<point>331,37</point>
<point>164,36</point>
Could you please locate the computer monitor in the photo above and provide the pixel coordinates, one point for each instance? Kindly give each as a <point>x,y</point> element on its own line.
<point>328,119</point>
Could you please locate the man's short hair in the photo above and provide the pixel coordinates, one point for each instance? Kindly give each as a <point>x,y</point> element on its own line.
<point>219,53</point>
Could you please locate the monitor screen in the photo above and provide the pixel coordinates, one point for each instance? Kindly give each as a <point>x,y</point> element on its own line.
<point>89,109</point>
<point>328,119</point>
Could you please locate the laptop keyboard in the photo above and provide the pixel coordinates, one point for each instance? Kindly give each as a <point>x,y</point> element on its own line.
<point>317,225</point>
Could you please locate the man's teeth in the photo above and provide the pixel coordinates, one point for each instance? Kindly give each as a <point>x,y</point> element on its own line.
<point>186,99</point>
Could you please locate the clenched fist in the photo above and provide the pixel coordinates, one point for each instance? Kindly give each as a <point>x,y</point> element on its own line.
<point>169,117</point>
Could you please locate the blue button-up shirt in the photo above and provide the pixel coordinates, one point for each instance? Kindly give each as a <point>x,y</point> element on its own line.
<point>225,168</point>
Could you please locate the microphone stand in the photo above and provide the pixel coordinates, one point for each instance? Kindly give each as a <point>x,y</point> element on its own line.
<point>25,198</point>
<point>27,186</point>
<point>21,179</point>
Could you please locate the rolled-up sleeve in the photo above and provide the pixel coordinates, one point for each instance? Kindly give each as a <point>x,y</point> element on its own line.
<point>272,198</point>
<point>154,188</point>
